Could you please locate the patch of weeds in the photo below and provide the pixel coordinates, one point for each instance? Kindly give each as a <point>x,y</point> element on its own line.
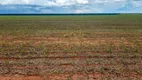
<point>6,63</point>
<point>39,47</point>
<point>67,35</point>
<point>21,47</point>
<point>74,54</point>
<point>109,49</point>
<point>4,44</point>
<point>97,54</point>
<point>68,48</point>
<point>1,49</point>
<point>127,50</point>
<point>22,51</point>
<point>17,55</point>
<point>103,70</point>
<point>45,52</point>
<point>80,34</point>
<point>58,71</point>
<point>124,55</point>
<point>139,71</point>
<point>136,49</point>
<point>97,50</point>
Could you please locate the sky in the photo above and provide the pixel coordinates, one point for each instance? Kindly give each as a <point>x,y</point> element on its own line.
<point>70,6</point>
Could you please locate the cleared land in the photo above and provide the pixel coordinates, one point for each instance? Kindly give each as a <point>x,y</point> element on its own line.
<point>107,47</point>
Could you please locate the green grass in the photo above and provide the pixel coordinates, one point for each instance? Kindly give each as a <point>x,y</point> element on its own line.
<point>43,25</point>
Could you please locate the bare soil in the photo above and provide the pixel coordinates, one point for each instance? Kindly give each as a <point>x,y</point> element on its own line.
<point>69,66</point>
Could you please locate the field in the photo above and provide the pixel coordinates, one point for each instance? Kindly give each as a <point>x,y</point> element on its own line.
<point>91,47</point>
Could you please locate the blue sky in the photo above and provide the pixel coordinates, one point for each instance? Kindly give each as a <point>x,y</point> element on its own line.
<point>70,6</point>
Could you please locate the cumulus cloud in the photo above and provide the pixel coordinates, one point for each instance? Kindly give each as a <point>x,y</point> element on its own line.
<point>45,2</point>
<point>82,11</point>
<point>76,6</point>
<point>15,1</point>
<point>58,2</point>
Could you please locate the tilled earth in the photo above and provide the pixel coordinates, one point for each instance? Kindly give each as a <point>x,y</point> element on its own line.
<point>71,47</point>
<point>80,65</point>
<point>100,66</point>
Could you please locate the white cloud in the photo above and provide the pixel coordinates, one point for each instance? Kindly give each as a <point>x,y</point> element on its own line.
<point>15,1</point>
<point>80,6</point>
<point>137,3</point>
<point>107,1</point>
<point>65,2</point>
<point>82,1</point>
<point>45,2</point>
<point>59,3</point>
<point>82,11</point>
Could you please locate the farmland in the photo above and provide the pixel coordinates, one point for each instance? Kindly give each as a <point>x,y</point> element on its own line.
<point>91,47</point>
